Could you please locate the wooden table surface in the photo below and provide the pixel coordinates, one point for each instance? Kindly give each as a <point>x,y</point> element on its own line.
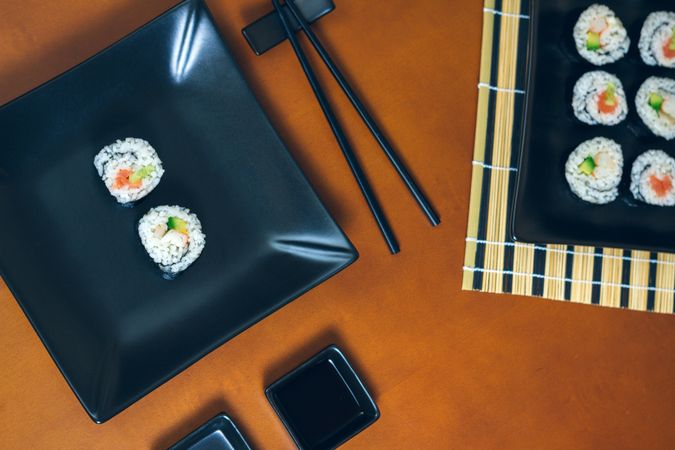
<point>448,369</point>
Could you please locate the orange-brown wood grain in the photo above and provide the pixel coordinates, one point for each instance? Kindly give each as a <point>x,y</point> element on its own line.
<point>448,369</point>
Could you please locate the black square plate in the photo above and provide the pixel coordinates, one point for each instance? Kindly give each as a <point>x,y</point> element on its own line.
<point>323,402</point>
<point>72,256</point>
<point>219,433</point>
<point>545,210</point>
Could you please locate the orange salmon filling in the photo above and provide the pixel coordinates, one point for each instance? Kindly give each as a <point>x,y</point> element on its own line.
<point>669,48</point>
<point>661,186</point>
<point>122,180</point>
<point>607,102</point>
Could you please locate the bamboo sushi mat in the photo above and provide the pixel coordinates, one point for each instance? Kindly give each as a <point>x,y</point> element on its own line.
<point>639,280</point>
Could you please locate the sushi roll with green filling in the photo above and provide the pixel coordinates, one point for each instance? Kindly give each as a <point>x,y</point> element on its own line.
<point>652,178</point>
<point>599,36</point>
<point>593,170</point>
<point>173,238</point>
<point>657,39</point>
<point>655,102</point>
<point>599,99</point>
<point>130,169</point>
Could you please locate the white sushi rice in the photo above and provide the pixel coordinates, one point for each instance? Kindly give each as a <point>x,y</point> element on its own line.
<point>662,122</point>
<point>649,165</point>
<point>614,40</point>
<point>602,185</point>
<point>171,250</point>
<point>655,35</point>
<point>587,92</point>
<point>132,154</point>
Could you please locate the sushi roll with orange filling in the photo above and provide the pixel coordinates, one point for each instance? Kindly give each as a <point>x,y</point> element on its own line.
<point>599,99</point>
<point>130,169</point>
<point>657,39</point>
<point>653,178</point>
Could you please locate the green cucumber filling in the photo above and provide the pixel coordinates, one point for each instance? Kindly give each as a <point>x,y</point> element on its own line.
<point>655,101</point>
<point>610,94</point>
<point>587,166</point>
<point>593,41</point>
<point>178,224</point>
<point>141,173</point>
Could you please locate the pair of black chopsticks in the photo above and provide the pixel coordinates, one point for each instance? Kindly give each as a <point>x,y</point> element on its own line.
<point>349,155</point>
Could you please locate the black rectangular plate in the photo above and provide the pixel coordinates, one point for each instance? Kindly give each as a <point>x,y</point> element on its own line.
<point>545,210</point>
<point>305,378</point>
<point>219,433</point>
<point>71,255</point>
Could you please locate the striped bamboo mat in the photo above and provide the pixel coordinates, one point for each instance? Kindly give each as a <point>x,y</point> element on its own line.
<point>638,280</point>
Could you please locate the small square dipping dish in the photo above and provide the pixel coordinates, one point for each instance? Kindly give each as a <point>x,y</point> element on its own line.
<point>323,403</point>
<point>219,433</point>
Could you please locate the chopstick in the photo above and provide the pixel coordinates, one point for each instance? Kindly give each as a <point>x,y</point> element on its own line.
<point>379,136</point>
<point>340,136</point>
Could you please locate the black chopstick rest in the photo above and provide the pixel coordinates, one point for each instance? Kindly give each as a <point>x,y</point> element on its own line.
<point>267,31</point>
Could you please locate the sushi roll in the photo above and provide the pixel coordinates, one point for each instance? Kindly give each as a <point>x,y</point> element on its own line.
<point>657,39</point>
<point>173,238</point>
<point>594,169</point>
<point>599,36</point>
<point>130,169</point>
<point>599,98</point>
<point>651,179</point>
<point>655,102</point>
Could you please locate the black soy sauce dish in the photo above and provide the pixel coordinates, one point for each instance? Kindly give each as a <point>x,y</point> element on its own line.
<point>323,403</point>
<point>219,433</point>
